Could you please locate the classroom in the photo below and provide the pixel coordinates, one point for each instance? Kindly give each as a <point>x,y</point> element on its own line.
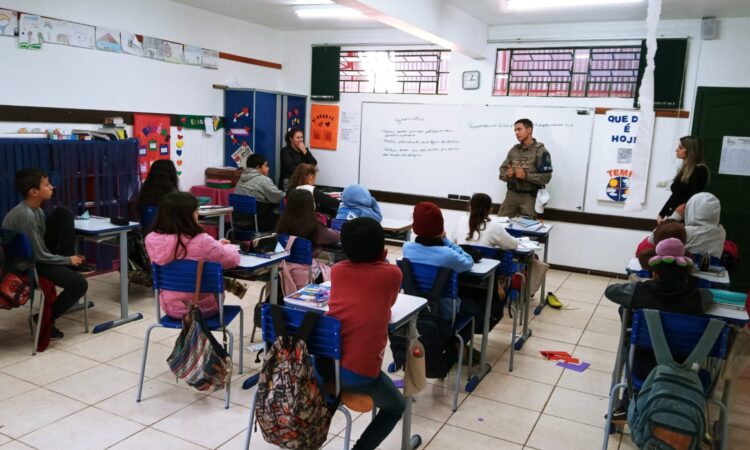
<point>514,198</point>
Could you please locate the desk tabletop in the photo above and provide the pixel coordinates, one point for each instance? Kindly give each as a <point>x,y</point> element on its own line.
<point>729,313</point>
<point>395,225</point>
<point>214,210</point>
<point>635,266</point>
<point>101,225</point>
<point>404,308</point>
<point>483,267</point>
<point>541,231</point>
<point>249,262</point>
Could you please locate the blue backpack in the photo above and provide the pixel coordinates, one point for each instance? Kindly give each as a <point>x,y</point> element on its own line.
<point>669,412</point>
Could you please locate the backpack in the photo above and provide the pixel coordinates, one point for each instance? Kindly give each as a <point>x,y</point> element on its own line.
<point>669,412</point>
<point>290,408</point>
<point>14,291</point>
<point>434,332</point>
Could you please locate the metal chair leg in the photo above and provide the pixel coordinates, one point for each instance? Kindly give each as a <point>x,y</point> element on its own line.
<point>241,347</point>
<point>85,314</point>
<point>249,433</point>
<point>348,429</point>
<point>38,330</point>
<point>459,366</point>
<point>143,360</point>
<point>229,381</point>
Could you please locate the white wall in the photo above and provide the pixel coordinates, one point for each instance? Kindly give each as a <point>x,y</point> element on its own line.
<point>710,63</point>
<point>69,77</point>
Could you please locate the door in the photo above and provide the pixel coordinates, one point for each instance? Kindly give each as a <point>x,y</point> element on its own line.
<point>723,112</point>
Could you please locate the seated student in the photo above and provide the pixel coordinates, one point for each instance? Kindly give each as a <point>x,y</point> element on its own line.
<point>363,290</point>
<point>177,235</point>
<point>52,240</point>
<point>701,215</point>
<point>161,180</point>
<point>479,228</point>
<point>304,178</point>
<point>298,219</point>
<point>666,229</point>
<point>356,201</point>
<point>668,291</point>
<point>256,183</point>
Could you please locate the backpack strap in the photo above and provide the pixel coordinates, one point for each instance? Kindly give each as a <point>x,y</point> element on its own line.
<point>279,327</point>
<point>658,339</point>
<point>706,343</point>
<point>306,327</point>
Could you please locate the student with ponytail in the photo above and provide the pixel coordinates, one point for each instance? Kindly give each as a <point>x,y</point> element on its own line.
<point>479,228</point>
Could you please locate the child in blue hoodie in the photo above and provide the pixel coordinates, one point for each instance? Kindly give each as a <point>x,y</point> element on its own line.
<point>356,201</point>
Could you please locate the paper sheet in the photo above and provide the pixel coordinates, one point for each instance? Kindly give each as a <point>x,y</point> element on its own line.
<point>735,156</point>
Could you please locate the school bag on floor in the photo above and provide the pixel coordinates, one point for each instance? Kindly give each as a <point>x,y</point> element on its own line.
<point>290,408</point>
<point>669,412</point>
<point>434,332</point>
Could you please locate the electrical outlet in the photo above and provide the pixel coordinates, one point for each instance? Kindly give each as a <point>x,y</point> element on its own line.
<point>661,184</point>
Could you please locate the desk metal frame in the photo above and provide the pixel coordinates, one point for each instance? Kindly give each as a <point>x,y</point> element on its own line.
<point>221,213</point>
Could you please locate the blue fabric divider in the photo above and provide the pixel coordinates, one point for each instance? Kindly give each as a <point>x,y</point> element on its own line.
<point>17,154</point>
<point>296,104</point>
<point>235,100</point>
<point>265,129</point>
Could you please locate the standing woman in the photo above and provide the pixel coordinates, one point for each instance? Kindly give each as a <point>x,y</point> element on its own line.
<point>294,154</point>
<point>690,179</point>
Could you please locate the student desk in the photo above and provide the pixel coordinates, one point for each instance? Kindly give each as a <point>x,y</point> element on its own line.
<point>211,211</point>
<point>484,272</point>
<point>253,263</point>
<point>397,226</point>
<point>403,312</point>
<point>217,196</point>
<point>634,267</point>
<point>540,235</point>
<point>99,229</point>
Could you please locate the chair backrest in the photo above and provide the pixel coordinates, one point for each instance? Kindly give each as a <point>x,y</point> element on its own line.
<point>425,276</point>
<point>18,246</point>
<point>301,251</point>
<point>337,224</point>
<point>682,332</point>
<point>244,204</point>
<point>148,216</point>
<point>325,339</point>
<point>179,275</point>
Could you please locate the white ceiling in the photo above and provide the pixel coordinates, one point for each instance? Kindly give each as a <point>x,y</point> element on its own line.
<point>279,14</point>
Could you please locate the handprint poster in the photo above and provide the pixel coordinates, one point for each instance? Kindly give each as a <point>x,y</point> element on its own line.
<point>324,126</point>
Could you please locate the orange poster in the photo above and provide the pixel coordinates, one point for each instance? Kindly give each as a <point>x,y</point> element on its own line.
<point>324,126</point>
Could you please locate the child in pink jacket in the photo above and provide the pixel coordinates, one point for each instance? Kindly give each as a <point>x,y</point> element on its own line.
<point>176,234</point>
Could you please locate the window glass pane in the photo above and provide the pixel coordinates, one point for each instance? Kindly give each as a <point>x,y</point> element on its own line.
<point>394,71</point>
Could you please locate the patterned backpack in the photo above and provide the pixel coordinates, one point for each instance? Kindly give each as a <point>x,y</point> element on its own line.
<point>291,409</point>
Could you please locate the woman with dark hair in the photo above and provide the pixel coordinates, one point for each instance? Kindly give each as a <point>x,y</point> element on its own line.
<point>176,234</point>
<point>479,228</point>
<point>293,154</point>
<point>161,180</point>
<point>690,179</point>
<point>298,219</point>
<point>304,178</point>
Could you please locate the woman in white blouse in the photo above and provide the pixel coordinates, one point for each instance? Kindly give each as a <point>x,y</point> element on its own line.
<point>479,228</point>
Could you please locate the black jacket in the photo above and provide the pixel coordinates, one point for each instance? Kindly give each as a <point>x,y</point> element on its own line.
<point>681,192</point>
<point>290,159</point>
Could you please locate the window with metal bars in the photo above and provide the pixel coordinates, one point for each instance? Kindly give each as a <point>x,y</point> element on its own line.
<point>567,72</point>
<point>394,71</point>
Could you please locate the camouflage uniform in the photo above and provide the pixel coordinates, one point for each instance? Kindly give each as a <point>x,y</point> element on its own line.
<point>521,196</point>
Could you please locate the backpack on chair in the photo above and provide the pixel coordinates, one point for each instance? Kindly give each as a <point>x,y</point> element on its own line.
<point>434,332</point>
<point>291,409</point>
<point>669,412</point>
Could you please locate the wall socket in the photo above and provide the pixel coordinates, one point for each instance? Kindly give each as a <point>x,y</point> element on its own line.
<point>661,184</point>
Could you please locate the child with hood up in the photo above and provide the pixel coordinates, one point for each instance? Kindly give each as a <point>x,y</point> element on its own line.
<point>356,201</point>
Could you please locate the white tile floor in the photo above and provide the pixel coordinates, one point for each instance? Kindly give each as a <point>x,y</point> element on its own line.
<point>80,393</point>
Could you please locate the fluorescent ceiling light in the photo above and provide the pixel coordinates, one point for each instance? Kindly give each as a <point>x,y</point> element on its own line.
<point>520,5</point>
<point>312,2</point>
<point>328,12</point>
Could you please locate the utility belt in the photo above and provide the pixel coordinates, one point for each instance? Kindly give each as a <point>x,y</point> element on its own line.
<point>533,191</point>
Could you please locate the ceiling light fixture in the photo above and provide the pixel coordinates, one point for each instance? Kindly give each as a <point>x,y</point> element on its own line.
<point>332,12</point>
<point>522,5</point>
<point>312,2</point>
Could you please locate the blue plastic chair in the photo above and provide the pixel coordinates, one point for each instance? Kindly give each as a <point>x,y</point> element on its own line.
<point>243,204</point>
<point>148,216</point>
<point>425,276</point>
<point>20,247</point>
<point>682,333</point>
<point>337,224</point>
<point>180,276</point>
<point>324,342</point>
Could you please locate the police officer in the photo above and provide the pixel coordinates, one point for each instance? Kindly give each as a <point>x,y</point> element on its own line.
<point>526,169</point>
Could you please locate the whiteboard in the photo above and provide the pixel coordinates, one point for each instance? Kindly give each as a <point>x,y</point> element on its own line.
<point>437,150</point>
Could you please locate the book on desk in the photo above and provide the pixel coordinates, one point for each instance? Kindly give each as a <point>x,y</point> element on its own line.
<point>315,294</point>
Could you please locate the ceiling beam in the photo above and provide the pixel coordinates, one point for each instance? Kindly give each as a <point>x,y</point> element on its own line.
<point>431,20</point>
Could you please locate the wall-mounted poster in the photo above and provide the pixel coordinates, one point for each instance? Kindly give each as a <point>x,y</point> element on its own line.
<point>152,132</point>
<point>108,40</point>
<point>8,22</point>
<point>152,48</point>
<point>79,35</point>
<point>55,31</point>
<point>324,126</point>
<point>616,169</point>
<point>210,59</point>
<point>30,34</point>
<point>172,52</point>
<point>193,55</point>
<point>130,44</point>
